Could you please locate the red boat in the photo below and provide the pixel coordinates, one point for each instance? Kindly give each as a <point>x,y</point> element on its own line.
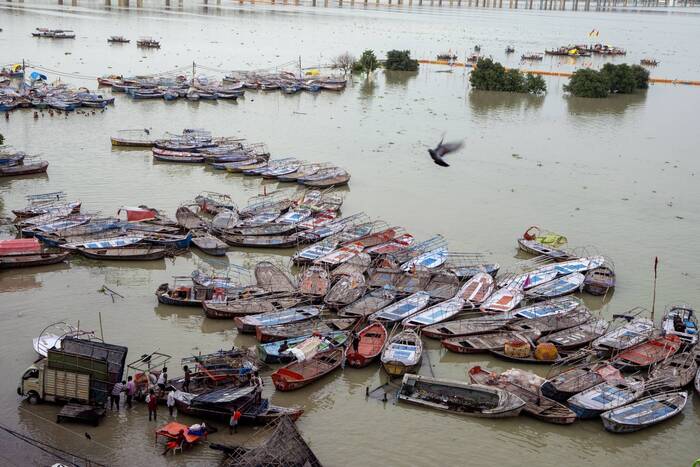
<point>299,374</point>
<point>371,341</point>
<point>377,238</point>
<point>647,353</point>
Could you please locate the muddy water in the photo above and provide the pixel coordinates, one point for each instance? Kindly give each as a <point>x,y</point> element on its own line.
<point>617,176</point>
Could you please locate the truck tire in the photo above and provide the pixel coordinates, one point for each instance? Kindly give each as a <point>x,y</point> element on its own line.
<point>33,398</point>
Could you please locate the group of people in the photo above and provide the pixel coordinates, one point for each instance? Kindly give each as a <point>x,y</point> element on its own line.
<point>128,387</point>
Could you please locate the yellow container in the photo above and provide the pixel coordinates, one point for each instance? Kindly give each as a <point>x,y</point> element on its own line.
<point>546,351</point>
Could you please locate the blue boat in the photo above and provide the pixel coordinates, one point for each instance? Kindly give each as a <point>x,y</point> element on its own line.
<point>549,308</point>
<point>644,413</point>
<point>558,287</point>
<point>270,352</point>
<point>430,259</point>
<point>402,309</point>
<point>105,243</point>
<point>180,242</point>
<point>248,324</point>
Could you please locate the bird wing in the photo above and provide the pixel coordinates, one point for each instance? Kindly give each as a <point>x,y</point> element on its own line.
<point>445,149</point>
<point>438,160</point>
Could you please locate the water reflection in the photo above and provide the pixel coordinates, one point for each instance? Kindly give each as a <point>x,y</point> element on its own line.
<point>483,103</point>
<point>616,105</point>
<point>367,87</point>
<point>399,78</point>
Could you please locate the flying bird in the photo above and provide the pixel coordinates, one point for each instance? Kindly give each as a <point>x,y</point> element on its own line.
<point>442,150</point>
<point>87,435</point>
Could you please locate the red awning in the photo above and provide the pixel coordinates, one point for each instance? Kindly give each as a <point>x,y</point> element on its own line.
<point>24,245</point>
<point>138,214</point>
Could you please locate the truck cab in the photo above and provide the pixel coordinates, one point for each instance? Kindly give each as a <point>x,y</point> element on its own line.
<point>31,385</point>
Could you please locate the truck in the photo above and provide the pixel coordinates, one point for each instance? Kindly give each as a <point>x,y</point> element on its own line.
<point>80,371</point>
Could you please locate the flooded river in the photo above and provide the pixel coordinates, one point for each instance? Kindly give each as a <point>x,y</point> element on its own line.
<point>618,176</point>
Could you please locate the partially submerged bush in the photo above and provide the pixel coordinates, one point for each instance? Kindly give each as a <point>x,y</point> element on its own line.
<point>616,79</point>
<point>492,76</point>
<point>400,60</point>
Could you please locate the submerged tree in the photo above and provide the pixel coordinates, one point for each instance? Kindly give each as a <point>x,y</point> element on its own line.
<point>588,83</point>
<point>615,79</point>
<point>368,62</point>
<point>400,60</point>
<point>492,76</point>
<point>345,62</point>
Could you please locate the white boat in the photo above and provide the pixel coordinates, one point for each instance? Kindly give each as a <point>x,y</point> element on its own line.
<point>606,396</point>
<point>477,289</point>
<point>117,242</point>
<point>529,280</point>
<point>430,259</point>
<point>435,314</point>
<point>294,217</point>
<point>555,306</point>
<point>403,353</point>
<point>402,309</point>
<point>628,335</point>
<point>680,320</point>
<point>503,300</point>
<point>556,288</point>
<point>575,265</point>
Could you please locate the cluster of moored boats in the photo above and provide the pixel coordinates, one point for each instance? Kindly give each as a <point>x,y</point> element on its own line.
<point>230,87</point>
<point>373,295</point>
<point>53,33</point>
<point>234,155</point>
<point>38,94</point>
<point>583,50</point>
<point>15,163</point>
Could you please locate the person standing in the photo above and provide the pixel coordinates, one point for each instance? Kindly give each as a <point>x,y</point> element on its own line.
<point>188,378</point>
<point>116,394</point>
<point>130,390</point>
<point>233,422</point>
<point>170,402</point>
<point>162,379</point>
<point>152,402</point>
<point>355,341</point>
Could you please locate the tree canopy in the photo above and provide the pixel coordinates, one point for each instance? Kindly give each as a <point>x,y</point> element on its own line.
<point>400,60</point>
<point>492,76</point>
<point>611,79</point>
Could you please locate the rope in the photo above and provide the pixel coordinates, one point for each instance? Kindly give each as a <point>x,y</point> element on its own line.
<point>45,447</point>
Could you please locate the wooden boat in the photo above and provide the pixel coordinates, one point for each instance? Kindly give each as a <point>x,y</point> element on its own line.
<point>148,43</point>
<point>173,156</point>
<point>300,348</point>
<point>296,329</point>
<point>225,219</point>
<point>403,353</point>
<point>413,281</point>
<point>314,282</point>
<point>578,336</point>
<point>600,280</point>
<point>401,309</point>
<point>345,291</point>
<point>481,343</point>
<point>556,288</point>
<point>180,295</point>
<point>209,244</point>
<point>125,254</point>
<point>187,219</point>
<point>262,241</point>
<point>529,358</point>
<point>30,260</point>
<point>697,382</point>
<point>502,300</point>
<point>299,374</point>
<point>263,229</point>
<point>100,243</point>
<point>177,242</point>
<point>526,386</point>
<point>118,40</point>
<point>294,217</point>
<point>257,220</point>
<point>358,264</point>
<point>680,320</point>
<point>474,400</point>
<point>443,311</point>
<point>340,255</point>
<point>370,303</point>
<point>46,208</point>
<point>429,260</point>
<point>315,251</point>
<point>339,179</point>
<point>649,62</point>
<point>628,335</point>
<point>606,396</point>
<point>398,243</point>
<point>273,279</point>
<point>647,353</point>
<point>534,247</point>
<point>467,272</point>
<point>230,309</point>
<point>23,169</point>
<point>377,238</point>
<point>367,345</point>
<point>477,289</point>
<point>580,378</point>
<point>301,172</point>
<point>644,413</point>
<point>443,286</point>
<point>674,373</point>
<point>574,265</point>
<point>552,323</point>
<point>552,307</point>
<point>468,326</point>
<point>528,280</point>
<point>249,324</point>
<point>384,277</point>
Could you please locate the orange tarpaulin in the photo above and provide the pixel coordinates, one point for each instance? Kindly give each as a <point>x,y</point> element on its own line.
<point>24,245</point>
<point>171,430</point>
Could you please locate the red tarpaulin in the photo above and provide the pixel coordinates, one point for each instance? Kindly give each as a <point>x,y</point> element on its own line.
<point>24,245</point>
<point>138,214</point>
<point>171,430</point>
